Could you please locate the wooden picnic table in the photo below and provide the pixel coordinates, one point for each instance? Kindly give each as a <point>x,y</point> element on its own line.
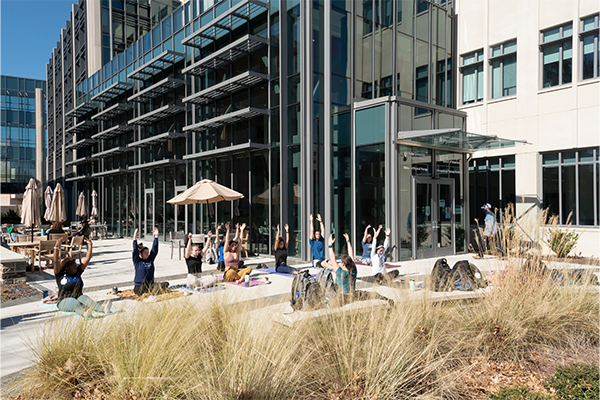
<point>28,247</point>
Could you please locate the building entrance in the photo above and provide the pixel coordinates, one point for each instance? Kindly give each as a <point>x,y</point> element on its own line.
<point>432,224</point>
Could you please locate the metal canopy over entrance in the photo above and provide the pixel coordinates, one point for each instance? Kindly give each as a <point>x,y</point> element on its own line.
<point>455,140</point>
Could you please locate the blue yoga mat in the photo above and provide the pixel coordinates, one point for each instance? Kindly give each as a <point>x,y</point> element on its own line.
<point>95,314</point>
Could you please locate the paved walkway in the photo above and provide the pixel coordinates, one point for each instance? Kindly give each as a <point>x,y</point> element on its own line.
<point>111,266</point>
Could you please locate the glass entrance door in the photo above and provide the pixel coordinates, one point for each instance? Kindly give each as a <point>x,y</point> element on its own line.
<point>148,214</point>
<point>180,212</point>
<point>432,217</point>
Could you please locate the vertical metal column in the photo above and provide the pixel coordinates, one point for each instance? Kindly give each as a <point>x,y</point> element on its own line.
<point>284,210</point>
<point>39,136</point>
<point>391,161</point>
<point>327,145</point>
<point>306,112</point>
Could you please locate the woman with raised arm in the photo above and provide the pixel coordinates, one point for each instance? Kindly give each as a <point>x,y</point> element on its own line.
<point>231,257</point>
<point>193,260</point>
<point>345,272</point>
<point>143,263</point>
<point>70,285</point>
<point>367,243</point>
<point>281,253</point>
<point>345,275</point>
<point>378,259</point>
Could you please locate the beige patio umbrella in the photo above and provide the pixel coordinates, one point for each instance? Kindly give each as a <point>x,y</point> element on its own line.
<point>57,209</point>
<point>48,202</point>
<point>30,214</point>
<point>82,209</point>
<point>94,212</point>
<point>205,191</point>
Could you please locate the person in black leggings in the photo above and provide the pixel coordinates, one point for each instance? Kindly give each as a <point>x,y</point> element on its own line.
<point>281,253</point>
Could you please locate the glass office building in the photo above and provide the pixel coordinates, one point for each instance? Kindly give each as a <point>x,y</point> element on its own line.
<point>17,132</point>
<point>343,108</point>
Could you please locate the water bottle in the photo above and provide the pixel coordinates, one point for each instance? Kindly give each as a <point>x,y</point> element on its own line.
<point>247,280</point>
<point>412,285</point>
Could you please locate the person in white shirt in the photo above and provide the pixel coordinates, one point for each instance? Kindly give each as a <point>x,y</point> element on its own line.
<point>378,260</point>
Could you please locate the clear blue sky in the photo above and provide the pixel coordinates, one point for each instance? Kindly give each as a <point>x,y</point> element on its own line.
<point>29,31</point>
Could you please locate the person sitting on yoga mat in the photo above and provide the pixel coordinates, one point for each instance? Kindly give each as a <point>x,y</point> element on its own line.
<point>70,285</point>
<point>143,263</point>
<point>193,259</point>
<point>231,257</point>
<point>281,253</point>
<point>220,244</point>
<point>345,275</point>
<point>367,244</point>
<point>378,259</point>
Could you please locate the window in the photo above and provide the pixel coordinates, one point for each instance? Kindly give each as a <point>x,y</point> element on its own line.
<point>570,185</point>
<point>491,180</point>
<point>472,77</point>
<point>504,69</point>
<point>557,53</point>
<point>590,65</point>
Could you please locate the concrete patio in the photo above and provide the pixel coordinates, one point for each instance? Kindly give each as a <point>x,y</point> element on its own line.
<point>111,266</point>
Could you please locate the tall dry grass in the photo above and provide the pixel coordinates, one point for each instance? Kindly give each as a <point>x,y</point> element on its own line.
<point>419,349</point>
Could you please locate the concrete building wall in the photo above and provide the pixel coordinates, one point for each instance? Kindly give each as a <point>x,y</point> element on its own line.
<point>557,118</point>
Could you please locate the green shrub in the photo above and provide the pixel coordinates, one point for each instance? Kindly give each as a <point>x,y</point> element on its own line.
<point>517,393</point>
<point>577,381</point>
<point>561,242</point>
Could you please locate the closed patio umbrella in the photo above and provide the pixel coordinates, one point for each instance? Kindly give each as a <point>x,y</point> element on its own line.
<point>48,202</point>
<point>57,209</point>
<point>94,212</point>
<point>82,209</point>
<point>205,191</point>
<point>30,214</point>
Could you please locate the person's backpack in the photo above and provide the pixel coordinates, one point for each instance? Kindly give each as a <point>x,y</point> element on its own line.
<point>211,255</point>
<point>462,277</point>
<point>440,276</point>
<point>388,253</point>
<point>325,279</point>
<point>306,292</point>
<point>478,276</point>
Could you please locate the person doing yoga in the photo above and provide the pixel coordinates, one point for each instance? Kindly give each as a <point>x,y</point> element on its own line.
<point>317,244</point>
<point>193,260</point>
<point>281,253</point>
<point>345,275</point>
<point>143,263</point>
<point>70,285</point>
<point>367,244</point>
<point>231,257</point>
<point>378,259</point>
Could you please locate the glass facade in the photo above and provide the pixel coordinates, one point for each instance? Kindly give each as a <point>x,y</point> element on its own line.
<point>17,132</point>
<point>239,92</point>
<point>570,183</point>
<point>491,180</point>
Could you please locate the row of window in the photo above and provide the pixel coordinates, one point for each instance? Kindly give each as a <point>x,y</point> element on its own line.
<point>570,185</point>
<point>570,181</point>
<point>556,60</point>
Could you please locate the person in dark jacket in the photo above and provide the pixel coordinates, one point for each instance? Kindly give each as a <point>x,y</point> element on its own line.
<point>143,263</point>
<point>85,230</point>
